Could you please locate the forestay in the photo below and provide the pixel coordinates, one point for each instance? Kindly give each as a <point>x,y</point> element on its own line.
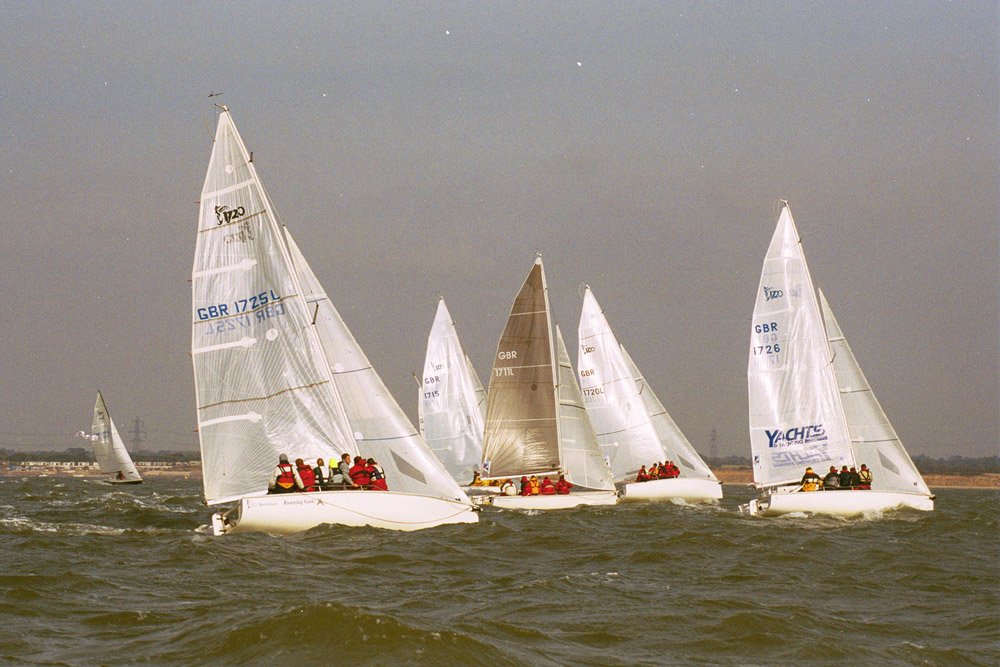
<point>676,446</point>
<point>796,417</point>
<point>380,427</point>
<point>522,435</point>
<point>873,438</point>
<point>611,395</point>
<point>262,382</point>
<point>451,418</point>
<point>109,448</point>
<point>580,452</point>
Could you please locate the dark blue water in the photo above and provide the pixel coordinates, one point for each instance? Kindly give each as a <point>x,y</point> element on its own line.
<point>93,574</point>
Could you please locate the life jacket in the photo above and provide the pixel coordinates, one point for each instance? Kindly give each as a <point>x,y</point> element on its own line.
<point>533,485</point>
<point>308,478</point>
<point>286,478</point>
<point>810,485</point>
<point>865,477</point>
<point>563,487</point>
<point>642,476</point>
<point>526,489</point>
<point>547,488</point>
<point>360,475</point>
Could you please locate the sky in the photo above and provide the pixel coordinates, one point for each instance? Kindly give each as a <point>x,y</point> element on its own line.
<point>421,150</point>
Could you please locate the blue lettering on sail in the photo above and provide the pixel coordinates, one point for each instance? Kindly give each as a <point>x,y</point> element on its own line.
<point>796,435</point>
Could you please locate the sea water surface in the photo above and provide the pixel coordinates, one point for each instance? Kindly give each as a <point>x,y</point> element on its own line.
<point>95,574</point>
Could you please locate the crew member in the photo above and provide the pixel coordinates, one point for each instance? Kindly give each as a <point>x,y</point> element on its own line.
<point>508,488</point>
<point>864,478</point>
<point>284,477</point>
<point>642,475</point>
<point>832,480</point>
<point>535,486</point>
<point>525,486</point>
<point>321,480</point>
<point>547,488</point>
<point>563,486</point>
<point>359,472</point>
<point>811,481</point>
<point>306,475</point>
<point>376,476</point>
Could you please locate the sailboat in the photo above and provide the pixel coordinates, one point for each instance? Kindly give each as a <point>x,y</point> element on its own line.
<point>536,423</point>
<point>810,404</point>
<point>276,371</point>
<point>632,426</point>
<point>109,449</point>
<point>451,401</point>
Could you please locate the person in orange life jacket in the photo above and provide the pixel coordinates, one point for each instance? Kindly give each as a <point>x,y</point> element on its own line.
<point>811,481</point>
<point>377,476</point>
<point>307,475</point>
<point>865,478</point>
<point>662,472</point>
<point>318,473</point>
<point>653,471</point>
<point>562,486</point>
<point>535,488</point>
<point>284,477</point>
<point>359,472</point>
<point>642,475</point>
<point>547,488</point>
<point>525,487</point>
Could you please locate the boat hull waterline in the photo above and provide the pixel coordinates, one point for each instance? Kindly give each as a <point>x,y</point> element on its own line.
<point>296,512</point>
<point>554,502</point>
<point>677,488</point>
<point>836,503</point>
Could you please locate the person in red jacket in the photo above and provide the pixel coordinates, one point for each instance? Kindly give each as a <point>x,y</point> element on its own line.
<point>547,488</point>
<point>525,486</point>
<point>672,470</point>
<point>377,476</point>
<point>664,471</point>
<point>642,476</point>
<point>562,486</point>
<point>359,472</point>
<point>307,476</point>
<point>284,477</point>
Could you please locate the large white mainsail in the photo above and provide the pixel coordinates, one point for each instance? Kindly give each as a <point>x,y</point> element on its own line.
<point>450,405</point>
<point>380,427</point>
<point>796,416</point>
<point>675,445</point>
<point>522,426</point>
<point>578,447</point>
<point>262,382</point>
<point>109,448</point>
<point>611,394</point>
<point>873,438</point>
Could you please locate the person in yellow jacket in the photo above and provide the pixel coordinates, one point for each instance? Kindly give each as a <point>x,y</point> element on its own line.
<point>811,481</point>
<point>535,486</point>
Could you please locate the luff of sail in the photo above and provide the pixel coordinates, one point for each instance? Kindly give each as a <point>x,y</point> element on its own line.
<point>611,394</point>
<point>261,380</point>
<point>796,417</point>
<point>109,448</point>
<point>522,434</point>
<point>676,446</point>
<point>873,438</point>
<point>380,427</point>
<point>579,451</point>
<point>449,407</point>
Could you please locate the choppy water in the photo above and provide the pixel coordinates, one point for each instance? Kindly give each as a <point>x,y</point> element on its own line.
<point>97,574</point>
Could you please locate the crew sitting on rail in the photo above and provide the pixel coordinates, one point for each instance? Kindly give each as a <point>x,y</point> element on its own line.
<point>547,488</point>
<point>811,481</point>
<point>507,488</point>
<point>284,477</point>
<point>359,472</point>
<point>321,479</point>
<point>477,480</point>
<point>535,486</point>
<point>832,480</point>
<point>377,477</point>
<point>672,470</point>
<point>340,477</point>
<point>562,486</point>
<point>642,475</point>
<point>854,479</point>
<point>525,486</point>
<point>307,476</point>
<point>865,478</point>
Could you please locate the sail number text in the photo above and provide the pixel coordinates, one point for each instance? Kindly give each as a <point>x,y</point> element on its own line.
<point>251,303</point>
<point>768,335</point>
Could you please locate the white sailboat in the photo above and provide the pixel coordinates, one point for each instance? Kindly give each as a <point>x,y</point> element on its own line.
<point>277,372</point>
<point>109,448</point>
<point>536,423</point>
<point>451,401</point>
<point>810,405</point>
<point>632,426</point>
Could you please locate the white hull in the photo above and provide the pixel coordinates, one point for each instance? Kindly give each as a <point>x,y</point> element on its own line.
<point>480,490</point>
<point>835,503</point>
<point>295,512</point>
<point>555,502</point>
<point>680,488</point>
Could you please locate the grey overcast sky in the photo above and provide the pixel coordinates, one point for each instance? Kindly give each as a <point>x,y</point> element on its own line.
<point>427,149</point>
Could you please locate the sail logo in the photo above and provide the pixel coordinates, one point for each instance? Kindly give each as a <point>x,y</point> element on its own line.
<point>771,293</point>
<point>243,234</point>
<point>225,215</point>
<point>797,435</point>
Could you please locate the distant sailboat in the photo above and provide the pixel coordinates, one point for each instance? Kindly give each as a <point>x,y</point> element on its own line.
<point>536,423</point>
<point>810,404</point>
<point>632,426</point>
<point>276,371</point>
<point>451,401</point>
<point>109,449</point>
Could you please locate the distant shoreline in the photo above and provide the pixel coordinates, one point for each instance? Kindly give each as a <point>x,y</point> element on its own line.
<point>727,475</point>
